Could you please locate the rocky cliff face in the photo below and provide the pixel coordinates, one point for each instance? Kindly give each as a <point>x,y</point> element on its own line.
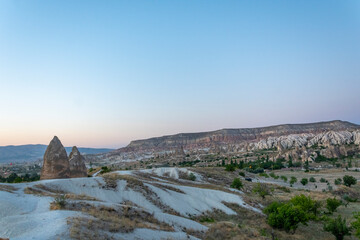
<point>266,137</point>
<point>56,162</point>
<point>77,164</point>
<point>58,165</point>
<point>290,140</point>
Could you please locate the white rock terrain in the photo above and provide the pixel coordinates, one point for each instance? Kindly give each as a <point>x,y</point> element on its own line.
<point>23,216</point>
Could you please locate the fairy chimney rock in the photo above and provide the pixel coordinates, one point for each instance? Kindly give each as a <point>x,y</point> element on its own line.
<point>56,162</point>
<point>77,164</point>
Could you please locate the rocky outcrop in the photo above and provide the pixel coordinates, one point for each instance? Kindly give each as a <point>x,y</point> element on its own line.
<point>266,137</point>
<point>56,162</point>
<point>58,165</point>
<point>297,138</point>
<point>356,137</point>
<point>77,164</point>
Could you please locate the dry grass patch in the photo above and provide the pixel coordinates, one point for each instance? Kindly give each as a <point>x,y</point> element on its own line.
<point>136,184</point>
<point>8,188</point>
<point>42,190</point>
<point>105,220</point>
<point>166,187</point>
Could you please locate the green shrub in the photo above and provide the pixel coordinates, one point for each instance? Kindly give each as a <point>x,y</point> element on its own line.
<point>304,181</point>
<point>207,219</point>
<point>262,190</point>
<point>286,216</point>
<point>349,180</point>
<point>307,204</point>
<point>242,174</point>
<point>105,169</point>
<point>192,177</point>
<point>332,204</point>
<point>60,200</point>
<point>230,168</point>
<point>237,183</point>
<point>284,178</point>
<point>312,179</point>
<point>264,175</point>
<point>356,224</point>
<point>337,227</point>
<point>293,180</point>
<point>272,175</point>
<point>338,181</point>
<point>323,180</point>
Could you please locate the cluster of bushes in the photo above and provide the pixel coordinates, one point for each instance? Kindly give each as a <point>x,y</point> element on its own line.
<point>320,158</point>
<point>14,178</point>
<point>192,177</point>
<point>188,163</point>
<point>237,184</point>
<point>293,180</point>
<point>262,190</point>
<point>301,209</point>
<point>105,169</point>
<point>257,166</point>
<point>287,216</point>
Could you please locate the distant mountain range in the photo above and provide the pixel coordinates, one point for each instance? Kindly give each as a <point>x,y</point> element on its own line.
<point>281,137</point>
<point>238,135</point>
<point>33,152</point>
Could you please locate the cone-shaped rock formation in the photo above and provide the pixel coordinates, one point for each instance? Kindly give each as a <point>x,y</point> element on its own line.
<point>56,162</point>
<point>77,164</point>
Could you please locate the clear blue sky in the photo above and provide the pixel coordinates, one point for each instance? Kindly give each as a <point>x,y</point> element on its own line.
<point>103,73</point>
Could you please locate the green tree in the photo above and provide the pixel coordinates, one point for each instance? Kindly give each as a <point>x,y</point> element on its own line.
<point>307,204</point>
<point>230,168</point>
<point>237,183</point>
<point>356,224</point>
<point>290,163</point>
<point>349,180</point>
<point>293,180</point>
<point>192,177</point>
<point>286,216</point>
<point>304,181</point>
<point>312,179</point>
<point>338,181</point>
<point>332,204</point>
<point>262,190</point>
<point>284,178</point>
<point>337,227</point>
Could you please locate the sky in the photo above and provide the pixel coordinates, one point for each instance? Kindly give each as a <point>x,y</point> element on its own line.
<point>103,73</point>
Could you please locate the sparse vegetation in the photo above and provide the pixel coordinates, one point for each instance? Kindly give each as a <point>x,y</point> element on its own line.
<point>349,180</point>
<point>14,178</point>
<point>337,227</point>
<point>332,204</point>
<point>261,189</point>
<point>104,169</point>
<point>287,216</point>
<point>237,183</point>
<point>284,178</point>
<point>293,180</point>
<point>192,176</point>
<point>338,181</point>
<point>59,202</point>
<point>230,168</point>
<point>304,181</point>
